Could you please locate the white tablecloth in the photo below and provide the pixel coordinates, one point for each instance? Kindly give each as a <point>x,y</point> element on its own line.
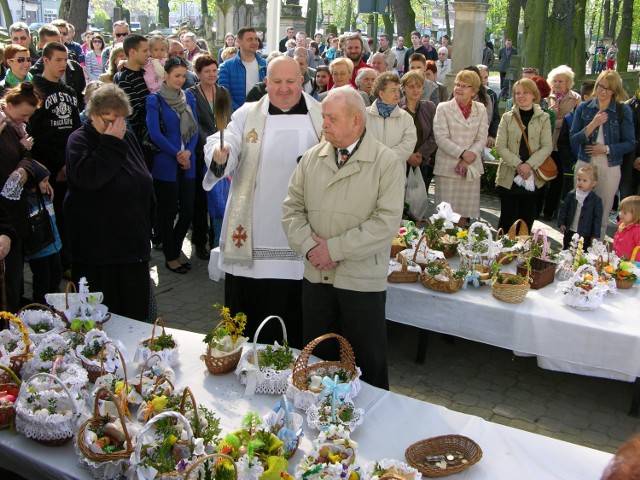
<point>604,342</point>
<point>392,423</point>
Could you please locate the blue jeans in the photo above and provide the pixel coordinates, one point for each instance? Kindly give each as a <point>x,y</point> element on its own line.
<point>216,231</point>
<point>174,199</point>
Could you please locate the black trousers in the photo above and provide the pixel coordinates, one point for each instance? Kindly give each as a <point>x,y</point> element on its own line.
<point>552,190</point>
<point>630,178</point>
<point>259,298</point>
<point>125,286</point>
<point>200,220</point>
<point>357,316</point>
<point>13,275</point>
<point>60,192</point>
<point>514,206</point>
<point>174,199</point>
<point>47,275</point>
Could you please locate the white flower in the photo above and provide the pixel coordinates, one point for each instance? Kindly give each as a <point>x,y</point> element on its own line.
<point>249,468</point>
<point>198,446</point>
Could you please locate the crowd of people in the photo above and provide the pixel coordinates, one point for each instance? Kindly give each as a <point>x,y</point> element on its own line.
<point>293,162</point>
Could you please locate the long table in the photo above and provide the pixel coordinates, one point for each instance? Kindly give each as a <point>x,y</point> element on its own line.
<point>392,423</point>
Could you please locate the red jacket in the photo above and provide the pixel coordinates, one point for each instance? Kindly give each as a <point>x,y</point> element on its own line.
<point>626,239</point>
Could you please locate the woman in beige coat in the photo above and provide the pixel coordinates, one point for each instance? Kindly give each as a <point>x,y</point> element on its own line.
<point>517,165</point>
<point>460,127</point>
<point>387,122</point>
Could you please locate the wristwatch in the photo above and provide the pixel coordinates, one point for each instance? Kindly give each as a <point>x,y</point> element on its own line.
<point>607,149</point>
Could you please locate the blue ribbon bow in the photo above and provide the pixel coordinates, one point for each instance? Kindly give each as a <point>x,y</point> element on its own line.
<point>473,278</point>
<point>338,392</point>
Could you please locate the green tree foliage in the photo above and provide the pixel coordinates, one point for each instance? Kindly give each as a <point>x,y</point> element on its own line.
<point>512,21</point>
<point>626,30</point>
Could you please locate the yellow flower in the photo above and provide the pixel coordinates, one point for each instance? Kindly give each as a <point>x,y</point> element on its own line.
<point>171,439</point>
<point>462,234</point>
<point>119,386</point>
<point>159,403</point>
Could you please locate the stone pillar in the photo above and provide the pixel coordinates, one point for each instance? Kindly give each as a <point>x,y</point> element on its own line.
<point>469,30</point>
<point>291,16</point>
<point>272,32</point>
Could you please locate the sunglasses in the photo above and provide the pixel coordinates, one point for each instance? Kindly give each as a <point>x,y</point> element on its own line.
<point>120,34</point>
<point>176,61</point>
<point>22,59</point>
<point>64,34</point>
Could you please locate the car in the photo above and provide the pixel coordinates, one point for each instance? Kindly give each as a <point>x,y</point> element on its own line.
<point>135,26</point>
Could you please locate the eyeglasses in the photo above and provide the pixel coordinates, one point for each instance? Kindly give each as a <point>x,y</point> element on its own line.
<point>340,74</point>
<point>22,59</point>
<point>461,85</point>
<point>176,61</point>
<point>117,35</point>
<point>97,41</point>
<point>605,89</point>
<point>64,34</point>
<point>530,70</point>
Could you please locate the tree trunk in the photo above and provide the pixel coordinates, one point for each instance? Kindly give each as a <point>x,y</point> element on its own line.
<point>163,13</point>
<point>388,27</point>
<point>624,42</point>
<point>577,47</point>
<point>613,25</point>
<point>606,9</point>
<point>447,23</point>
<point>405,16</point>
<point>312,16</point>
<point>6,12</point>
<point>204,7</point>
<point>513,20</point>
<point>559,34</point>
<point>534,35</point>
<point>347,19</point>
<point>76,13</point>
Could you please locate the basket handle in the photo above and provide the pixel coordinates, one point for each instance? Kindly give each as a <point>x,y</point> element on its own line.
<point>635,254</point>
<point>188,393</point>
<point>513,231</point>
<point>11,318</point>
<point>11,374</point>
<point>72,399</point>
<point>66,293</point>
<point>122,361</point>
<point>159,382</point>
<point>41,307</point>
<point>591,269</point>
<point>255,337</point>
<point>193,466</point>
<point>499,234</point>
<point>96,413</point>
<point>415,253</point>
<point>153,330</point>
<point>135,456</point>
<point>538,232</point>
<point>346,351</point>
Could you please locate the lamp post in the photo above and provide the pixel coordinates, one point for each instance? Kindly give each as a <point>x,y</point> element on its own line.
<point>23,12</point>
<point>424,17</point>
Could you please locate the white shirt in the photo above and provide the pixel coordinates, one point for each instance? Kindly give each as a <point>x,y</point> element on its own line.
<point>253,75</point>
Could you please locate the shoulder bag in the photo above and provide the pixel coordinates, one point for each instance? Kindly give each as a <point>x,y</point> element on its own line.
<point>548,170</point>
<point>40,228</point>
<point>147,143</point>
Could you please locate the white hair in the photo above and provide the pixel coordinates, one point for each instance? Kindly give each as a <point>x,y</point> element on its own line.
<point>362,72</point>
<point>351,98</point>
<point>562,70</point>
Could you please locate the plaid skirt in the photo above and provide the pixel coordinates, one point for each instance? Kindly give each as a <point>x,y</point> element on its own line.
<point>463,195</point>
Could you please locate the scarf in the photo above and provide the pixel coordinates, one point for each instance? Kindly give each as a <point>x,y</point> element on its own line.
<point>560,97</point>
<point>383,109</point>
<point>11,80</point>
<point>19,128</point>
<point>466,109</point>
<point>580,196</point>
<point>177,100</point>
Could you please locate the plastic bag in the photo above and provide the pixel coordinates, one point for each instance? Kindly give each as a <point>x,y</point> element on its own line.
<point>415,195</point>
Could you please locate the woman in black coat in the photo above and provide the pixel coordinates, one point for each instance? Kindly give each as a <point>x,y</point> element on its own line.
<point>109,205</point>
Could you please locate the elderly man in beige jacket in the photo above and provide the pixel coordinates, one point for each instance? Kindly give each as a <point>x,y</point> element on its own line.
<point>343,208</point>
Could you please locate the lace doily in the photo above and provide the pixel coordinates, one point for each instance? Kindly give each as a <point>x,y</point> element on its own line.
<point>583,294</point>
<point>261,380</point>
<point>168,356</point>
<point>12,190</point>
<point>33,317</point>
<point>319,416</point>
<point>111,359</point>
<point>389,465</point>
<point>312,467</point>
<point>304,399</point>
<point>15,340</point>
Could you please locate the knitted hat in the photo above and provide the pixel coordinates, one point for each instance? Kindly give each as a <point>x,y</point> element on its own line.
<point>40,171</point>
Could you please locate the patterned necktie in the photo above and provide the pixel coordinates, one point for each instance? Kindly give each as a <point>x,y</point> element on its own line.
<point>344,156</point>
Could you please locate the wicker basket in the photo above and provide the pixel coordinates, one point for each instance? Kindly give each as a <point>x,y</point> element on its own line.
<point>52,434</point>
<point>262,379</point>
<point>404,275</point>
<point>96,371</point>
<point>542,272</point>
<point>448,250</point>
<point>198,467</point>
<point>299,384</point>
<point>432,283</point>
<point>417,452</point>
<point>624,284</point>
<point>395,250</point>
<point>521,236</point>
<point>223,364</point>
<point>8,412</point>
<point>169,355</point>
<point>38,306</point>
<point>89,456</point>
<point>510,293</point>
<point>68,306</point>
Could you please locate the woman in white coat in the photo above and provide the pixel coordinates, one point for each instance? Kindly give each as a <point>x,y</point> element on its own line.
<point>387,122</point>
<point>460,128</point>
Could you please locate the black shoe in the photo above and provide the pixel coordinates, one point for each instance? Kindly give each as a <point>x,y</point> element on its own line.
<point>202,253</point>
<point>181,269</point>
<point>186,265</point>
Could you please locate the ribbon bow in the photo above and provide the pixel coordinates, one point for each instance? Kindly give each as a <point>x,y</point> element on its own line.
<point>254,377</point>
<point>79,325</point>
<point>471,278</point>
<point>447,214</point>
<point>337,390</point>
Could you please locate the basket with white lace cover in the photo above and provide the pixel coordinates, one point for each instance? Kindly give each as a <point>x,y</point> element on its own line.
<point>585,290</point>
<point>479,247</point>
<point>41,320</point>
<point>389,466</point>
<point>260,378</point>
<point>14,344</point>
<point>330,460</point>
<point>98,354</point>
<point>162,345</point>
<point>331,409</point>
<point>46,411</point>
<point>156,462</point>
<point>305,383</point>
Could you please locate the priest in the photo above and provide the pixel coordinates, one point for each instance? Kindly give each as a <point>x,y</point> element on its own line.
<point>261,147</point>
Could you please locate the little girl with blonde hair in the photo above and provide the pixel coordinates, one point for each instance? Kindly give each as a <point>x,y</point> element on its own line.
<point>154,69</point>
<point>627,238</point>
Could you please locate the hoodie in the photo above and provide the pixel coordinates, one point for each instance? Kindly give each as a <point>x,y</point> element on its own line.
<point>53,122</point>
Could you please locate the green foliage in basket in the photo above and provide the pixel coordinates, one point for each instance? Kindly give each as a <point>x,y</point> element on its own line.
<point>48,354</point>
<point>161,457</point>
<point>228,326</point>
<point>537,248</point>
<point>460,273</point>
<point>210,431</point>
<point>508,242</point>
<point>92,350</point>
<point>434,269</point>
<point>279,358</point>
<point>159,343</point>
<point>12,345</point>
<point>41,327</point>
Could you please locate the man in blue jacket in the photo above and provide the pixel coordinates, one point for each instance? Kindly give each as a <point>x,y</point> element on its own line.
<point>240,73</point>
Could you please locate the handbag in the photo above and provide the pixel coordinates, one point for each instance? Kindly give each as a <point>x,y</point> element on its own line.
<point>40,228</point>
<point>147,143</point>
<point>548,170</point>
